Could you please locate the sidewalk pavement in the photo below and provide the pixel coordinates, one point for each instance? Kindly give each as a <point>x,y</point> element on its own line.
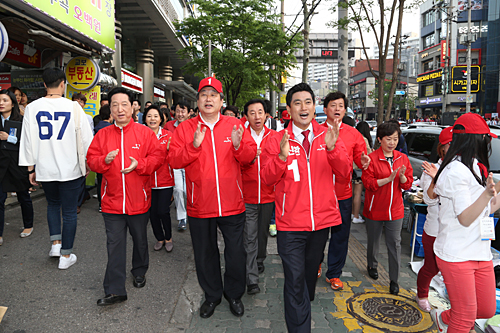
<point>365,305</point>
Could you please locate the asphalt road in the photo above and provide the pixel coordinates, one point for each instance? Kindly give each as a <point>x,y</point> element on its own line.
<point>42,298</point>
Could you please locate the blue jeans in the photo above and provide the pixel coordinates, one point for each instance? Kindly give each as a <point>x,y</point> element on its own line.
<point>62,196</point>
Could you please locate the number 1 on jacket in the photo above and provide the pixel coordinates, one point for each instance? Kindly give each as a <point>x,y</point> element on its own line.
<point>294,166</point>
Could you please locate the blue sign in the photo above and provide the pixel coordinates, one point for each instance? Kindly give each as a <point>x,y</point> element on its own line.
<point>400,93</point>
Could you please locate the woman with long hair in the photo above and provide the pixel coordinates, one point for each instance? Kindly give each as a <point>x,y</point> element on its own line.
<point>13,178</point>
<point>462,247</point>
<point>389,173</point>
<point>357,184</point>
<point>162,182</point>
<point>19,96</point>
<point>431,226</point>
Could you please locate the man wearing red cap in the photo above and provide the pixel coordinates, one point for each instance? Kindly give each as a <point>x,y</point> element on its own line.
<point>210,147</point>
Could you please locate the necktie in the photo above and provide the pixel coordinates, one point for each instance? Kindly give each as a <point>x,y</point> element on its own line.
<point>306,143</point>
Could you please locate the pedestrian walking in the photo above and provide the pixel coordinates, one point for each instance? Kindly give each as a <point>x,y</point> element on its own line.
<point>302,162</point>
<point>258,197</point>
<point>389,174</point>
<point>13,178</point>
<point>162,182</point>
<point>126,154</point>
<point>55,137</point>
<point>210,147</point>
<point>334,106</point>
<point>431,226</point>
<point>468,196</point>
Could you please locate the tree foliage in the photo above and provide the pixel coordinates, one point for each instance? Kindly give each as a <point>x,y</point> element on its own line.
<point>404,102</point>
<point>379,18</point>
<point>249,46</point>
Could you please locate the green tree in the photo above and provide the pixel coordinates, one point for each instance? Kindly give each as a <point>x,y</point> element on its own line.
<point>380,18</point>
<point>249,46</point>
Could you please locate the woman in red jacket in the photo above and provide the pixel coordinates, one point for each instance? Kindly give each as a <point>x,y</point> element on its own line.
<point>389,173</point>
<point>162,182</point>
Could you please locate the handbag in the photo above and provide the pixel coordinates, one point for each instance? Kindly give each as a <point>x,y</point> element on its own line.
<point>79,143</point>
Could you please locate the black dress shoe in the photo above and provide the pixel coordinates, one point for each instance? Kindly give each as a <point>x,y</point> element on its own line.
<point>236,306</point>
<point>111,299</point>
<point>394,288</point>
<point>260,267</point>
<point>207,308</point>
<point>253,289</point>
<point>139,281</point>
<point>373,273</point>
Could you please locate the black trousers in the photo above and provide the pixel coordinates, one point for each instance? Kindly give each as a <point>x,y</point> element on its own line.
<point>24,199</point>
<point>301,253</point>
<point>116,232</point>
<point>207,259</point>
<point>160,213</point>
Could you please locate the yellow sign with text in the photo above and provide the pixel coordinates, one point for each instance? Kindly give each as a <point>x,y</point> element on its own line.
<point>82,73</point>
<point>93,99</point>
<point>429,76</point>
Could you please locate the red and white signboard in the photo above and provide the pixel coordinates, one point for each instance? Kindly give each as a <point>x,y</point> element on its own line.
<point>4,81</point>
<point>17,53</point>
<point>158,92</point>
<point>131,81</point>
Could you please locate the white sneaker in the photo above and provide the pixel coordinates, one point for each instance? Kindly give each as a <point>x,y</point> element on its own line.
<point>436,317</point>
<point>65,263</point>
<point>357,220</point>
<point>55,251</point>
<point>94,196</point>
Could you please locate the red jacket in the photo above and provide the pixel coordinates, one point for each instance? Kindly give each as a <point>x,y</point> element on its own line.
<point>355,145</point>
<point>131,193</point>
<point>163,177</point>
<point>170,126</point>
<point>305,191</point>
<point>213,174</point>
<point>385,203</point>
<point>254,189</point>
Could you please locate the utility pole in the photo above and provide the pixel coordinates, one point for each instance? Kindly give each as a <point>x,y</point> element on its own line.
<point>469,73</point>
<point>209,57</point>
<point>446,67</point>
<point>282,92</point>
<point>343,54</point>
<point>307,52</point>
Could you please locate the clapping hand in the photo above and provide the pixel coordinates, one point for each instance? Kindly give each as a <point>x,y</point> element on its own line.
<point>430,169</point>
<point>402,177</point>
<point>199,135</point>
<point>236,136</point>
<point>284,146</point>
<point>131,167</point>
<point>365,161</point>
<point>332,135</point>
<point>111,156</point>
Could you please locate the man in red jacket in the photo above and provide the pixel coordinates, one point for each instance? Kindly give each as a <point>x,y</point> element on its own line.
<point>126,192</point>
<point>335,105</point>
<point>210,147</point>
<point>301,162</point>
<point>258,197</point>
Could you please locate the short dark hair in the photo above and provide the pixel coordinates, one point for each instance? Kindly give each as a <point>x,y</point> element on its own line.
<point>147,102</point>
<point>298,88</point>
<point>231,108</point>
<point>79,96</point>
<point>333,96</point>
<point>52,77</point>
<point>136,100</point>
<point>254,101</point>
<point>121,90</point>
<point>268,106</point>
<point>349,121</point>
<point>183,105</point>
<point>154,107</point>
<point>105,112</point>
<point>163,104</point>
<point>104,97</point>
<point>388,128</point>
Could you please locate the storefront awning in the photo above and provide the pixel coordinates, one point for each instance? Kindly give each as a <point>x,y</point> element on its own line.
<point>179,87</point>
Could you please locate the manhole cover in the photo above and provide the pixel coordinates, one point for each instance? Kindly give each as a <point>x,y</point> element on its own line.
<point>388,312</point>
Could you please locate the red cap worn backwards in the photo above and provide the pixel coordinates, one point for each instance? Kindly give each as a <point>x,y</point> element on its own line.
<point>285,115</point>
<point>446,135</point>
<point>473,124</point>
<point>210,82</point>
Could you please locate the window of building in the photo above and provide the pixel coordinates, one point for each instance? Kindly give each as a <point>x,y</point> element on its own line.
<point>429,90</point>
<point>428,65</point>
<point>462,60</point>
<point>428,41</point>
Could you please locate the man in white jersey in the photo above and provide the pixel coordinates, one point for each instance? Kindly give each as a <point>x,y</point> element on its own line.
<point>48,140</point>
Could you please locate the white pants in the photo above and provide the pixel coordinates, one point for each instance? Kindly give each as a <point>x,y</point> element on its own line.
<point>180,192</point>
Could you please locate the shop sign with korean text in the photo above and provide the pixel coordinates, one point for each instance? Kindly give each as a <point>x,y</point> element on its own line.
<point>459,79</point>
<point>82,73</point>
<point>93,18</point>
<point>132,81</point>
<point>16,54</point>
<point>93,99</point>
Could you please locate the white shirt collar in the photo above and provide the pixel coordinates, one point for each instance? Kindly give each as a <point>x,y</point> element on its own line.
<point>297,132</point>
<point>211,126</point>
<point>257,137</point>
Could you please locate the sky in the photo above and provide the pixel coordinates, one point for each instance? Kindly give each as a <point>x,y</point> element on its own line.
<point>324,15</point>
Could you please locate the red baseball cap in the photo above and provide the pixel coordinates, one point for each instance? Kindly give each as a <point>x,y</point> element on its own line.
<point>285,115</point>
<point>210,82</point>
<point>473,124</point>
<point>446,135</point>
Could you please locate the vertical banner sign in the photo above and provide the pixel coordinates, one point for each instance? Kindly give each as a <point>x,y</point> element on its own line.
<point>93,99</point>
<point>94,19</point>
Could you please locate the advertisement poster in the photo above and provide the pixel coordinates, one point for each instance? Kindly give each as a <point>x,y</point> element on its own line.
<point>30,82</point>
<point>93,99</point>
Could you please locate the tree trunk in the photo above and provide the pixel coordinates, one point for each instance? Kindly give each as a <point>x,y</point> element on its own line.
<point>380,86</point>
